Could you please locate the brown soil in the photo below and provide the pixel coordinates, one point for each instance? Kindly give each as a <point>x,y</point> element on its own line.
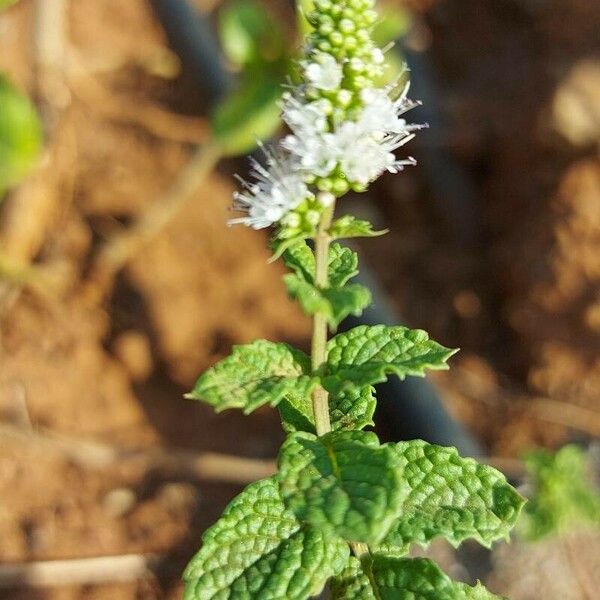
<point>112,367</point>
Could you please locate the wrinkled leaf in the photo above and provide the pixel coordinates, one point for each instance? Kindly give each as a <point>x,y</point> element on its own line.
<point>20,135</point>
<point>387,578</point>
<point>343,263</point>
<point>335,303</point>
<point>450,496</point>
<point>258,550</point>
<point>350,409</point>
<point>366,354</point>
<point>343,482</point>
<point>255,374</point>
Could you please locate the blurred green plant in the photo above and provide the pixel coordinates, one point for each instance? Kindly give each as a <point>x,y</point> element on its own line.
<point>564,495</point>
<point>6,3</point>
<point>255,46</point>
<point>20,135</point>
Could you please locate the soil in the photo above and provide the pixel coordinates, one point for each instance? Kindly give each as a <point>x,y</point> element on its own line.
<point>108,364</point>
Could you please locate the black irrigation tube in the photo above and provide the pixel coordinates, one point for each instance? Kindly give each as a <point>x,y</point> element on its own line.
<point>411,408</point>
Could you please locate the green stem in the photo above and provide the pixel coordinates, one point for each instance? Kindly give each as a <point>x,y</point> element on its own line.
<point>320,397</point>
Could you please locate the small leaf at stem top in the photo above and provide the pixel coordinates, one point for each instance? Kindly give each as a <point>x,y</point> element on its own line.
<point>351,227</point>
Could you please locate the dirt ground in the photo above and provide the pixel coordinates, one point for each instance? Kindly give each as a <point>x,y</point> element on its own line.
<point>92,367</point>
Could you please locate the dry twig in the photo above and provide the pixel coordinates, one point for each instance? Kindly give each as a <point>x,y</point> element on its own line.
<point>208,466</point>
<point>102,569</point>
<point>119,250</point>
<point>153,118</point>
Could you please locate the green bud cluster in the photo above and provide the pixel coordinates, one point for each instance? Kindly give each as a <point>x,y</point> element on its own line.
<point>302,221</point>
<point>343,30</point>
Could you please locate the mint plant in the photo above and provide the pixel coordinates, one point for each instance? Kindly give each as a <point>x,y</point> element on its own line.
<point>564,497</point>
<point>343,509</point>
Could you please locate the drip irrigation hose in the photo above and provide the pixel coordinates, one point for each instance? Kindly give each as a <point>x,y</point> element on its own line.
<point>410,408</point>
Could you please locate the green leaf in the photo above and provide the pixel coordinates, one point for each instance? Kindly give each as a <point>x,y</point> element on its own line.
<point>343,263</point>
<point>335,303</point>
<point>351,227</point>
<point>279,244</point>
<point>249,34</point>
<point>450,496</point>
<point>301,260</point>
<point>20,135</point>
<point>255,374</point>
<point>343,482</point>
<point>350,409</point>
<point>388,578</point>
<point>258,550</point>
<point>366,354</point>
<point>564,494</point>
<point>250,114</point>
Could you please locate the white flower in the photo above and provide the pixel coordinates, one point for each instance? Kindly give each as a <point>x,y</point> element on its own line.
<point>277,190</point>
<point>305,118</point>
<point>382,114</point>
<point>324,72</point>
<point>364,157</point>
<point>315,153</point>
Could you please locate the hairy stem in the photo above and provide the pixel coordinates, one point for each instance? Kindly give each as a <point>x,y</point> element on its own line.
<point>319,337</point>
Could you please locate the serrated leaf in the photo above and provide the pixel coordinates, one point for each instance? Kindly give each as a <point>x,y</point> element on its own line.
<point>350,409</point>
<point>248,34</point>
<point>343,263</point>
<point>301,260</point>
<point>20,135</point>
<point>351,227</point>
<point>258,550</point>
<point>335,303</point>
<point>279,244</point>
<point>388,578</point>
<point>255,374</point>
<point>366,354</point>
<point>564,495</point>
<point>250,114</point>
<point>450,496</point>
<point>343,482</point>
